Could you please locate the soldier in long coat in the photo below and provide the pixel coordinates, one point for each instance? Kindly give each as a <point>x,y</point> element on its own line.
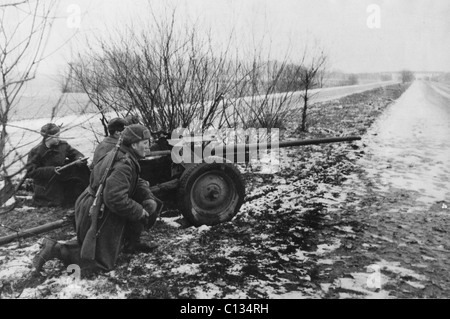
<point>51,188</point>
<point>128,203</point>
<point>115,127</point>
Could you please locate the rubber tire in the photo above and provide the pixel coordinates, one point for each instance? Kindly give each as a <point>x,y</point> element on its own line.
<point>203,216</point>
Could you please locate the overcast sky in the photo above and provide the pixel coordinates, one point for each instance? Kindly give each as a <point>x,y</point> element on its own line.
<point>411,34</point>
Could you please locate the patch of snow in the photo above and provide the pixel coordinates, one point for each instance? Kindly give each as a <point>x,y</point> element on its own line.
<point>326,248</point>
<point>395,268</point>
<point>382,238</point>
<point>25,208</point>
<point>283,257</point>
<point>235,270</point>
<point>208,291</point>
<point>171,221</point>
<point>25,197</point>
<point>415,284</point>
<point>238,294</point>
<point>359,284</point>
<point>183,238</point>
<point>188,269</point>
<point>203,228</point>
<point>291,295</point>
<point>16,268</point>
<point>326,261</point>
<point>227,250</point>
<point>66,287</point>
<point>325,287</point>
<point>346,229</point>
<point>427,258</point>
<point>300,255</point>
<point>18,263</point>
<point>261,236</point>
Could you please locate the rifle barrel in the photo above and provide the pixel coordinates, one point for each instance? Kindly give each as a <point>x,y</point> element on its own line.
<point>72,163</point>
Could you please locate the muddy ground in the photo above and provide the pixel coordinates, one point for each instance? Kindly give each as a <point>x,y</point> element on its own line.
<point>346,220</point>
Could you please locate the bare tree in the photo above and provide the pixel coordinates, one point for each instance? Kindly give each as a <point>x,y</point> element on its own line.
<point>170,76</point>
<point>68,82</point>
<point>352,79</point>
<point>310,79</point>
<point>407,76</point>
<point>175,77</point>
<point>265,98</point>
<point>24,30</point>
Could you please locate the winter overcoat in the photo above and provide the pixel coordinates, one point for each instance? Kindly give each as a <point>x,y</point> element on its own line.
<point>41,164</point>
<point>104,147</point>
<point>124,191</point>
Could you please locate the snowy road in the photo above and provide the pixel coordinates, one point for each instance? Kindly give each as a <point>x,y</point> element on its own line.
<point>410,143</point>
<point>334,93</point>
<point>402,200</point>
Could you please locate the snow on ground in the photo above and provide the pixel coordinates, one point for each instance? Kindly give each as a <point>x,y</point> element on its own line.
<point>404,187</point>
<point>410,145</point>
<point>16,262</point>
<point>296,236</point>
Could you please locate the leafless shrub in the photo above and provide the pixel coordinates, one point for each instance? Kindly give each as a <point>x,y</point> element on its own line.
<point>352,79</point>
<point>266,97</point>
<point>407,76</point>
<point>25,27</point>
<point>170,77</point>
<point>310,78</point>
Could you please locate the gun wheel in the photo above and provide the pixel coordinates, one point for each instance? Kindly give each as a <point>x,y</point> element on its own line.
<point>210,194</point>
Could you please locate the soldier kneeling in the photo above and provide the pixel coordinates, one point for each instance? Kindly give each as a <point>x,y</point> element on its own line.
<point>128,205</point>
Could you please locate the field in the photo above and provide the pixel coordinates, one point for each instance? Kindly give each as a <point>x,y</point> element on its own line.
<point>280,245</point>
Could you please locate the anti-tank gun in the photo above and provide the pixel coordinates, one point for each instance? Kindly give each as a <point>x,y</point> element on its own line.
<point>199,173</point>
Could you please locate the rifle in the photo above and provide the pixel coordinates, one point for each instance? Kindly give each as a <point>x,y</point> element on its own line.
<point>90,240</point>
<point>57,171</point>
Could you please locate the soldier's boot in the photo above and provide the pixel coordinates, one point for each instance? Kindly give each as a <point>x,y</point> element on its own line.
<point>132,241</point>
<point>50,249</point>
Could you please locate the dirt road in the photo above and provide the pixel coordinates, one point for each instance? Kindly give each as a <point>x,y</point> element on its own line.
<point>334,93</point>
<point>401,200</point>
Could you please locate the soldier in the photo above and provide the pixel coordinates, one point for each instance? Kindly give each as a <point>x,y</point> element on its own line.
<point>53,188</point>
<point>128,204</point>
<point>115,127</point>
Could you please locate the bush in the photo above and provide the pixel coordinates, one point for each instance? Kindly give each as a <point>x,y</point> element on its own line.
<point>407,76</point>
<point>352,79</point>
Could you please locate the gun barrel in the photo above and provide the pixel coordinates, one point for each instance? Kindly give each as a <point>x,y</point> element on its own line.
<point>239,148</point>
<point>244,148</point>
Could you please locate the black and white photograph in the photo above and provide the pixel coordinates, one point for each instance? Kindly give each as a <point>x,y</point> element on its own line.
<point>224,154</point>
